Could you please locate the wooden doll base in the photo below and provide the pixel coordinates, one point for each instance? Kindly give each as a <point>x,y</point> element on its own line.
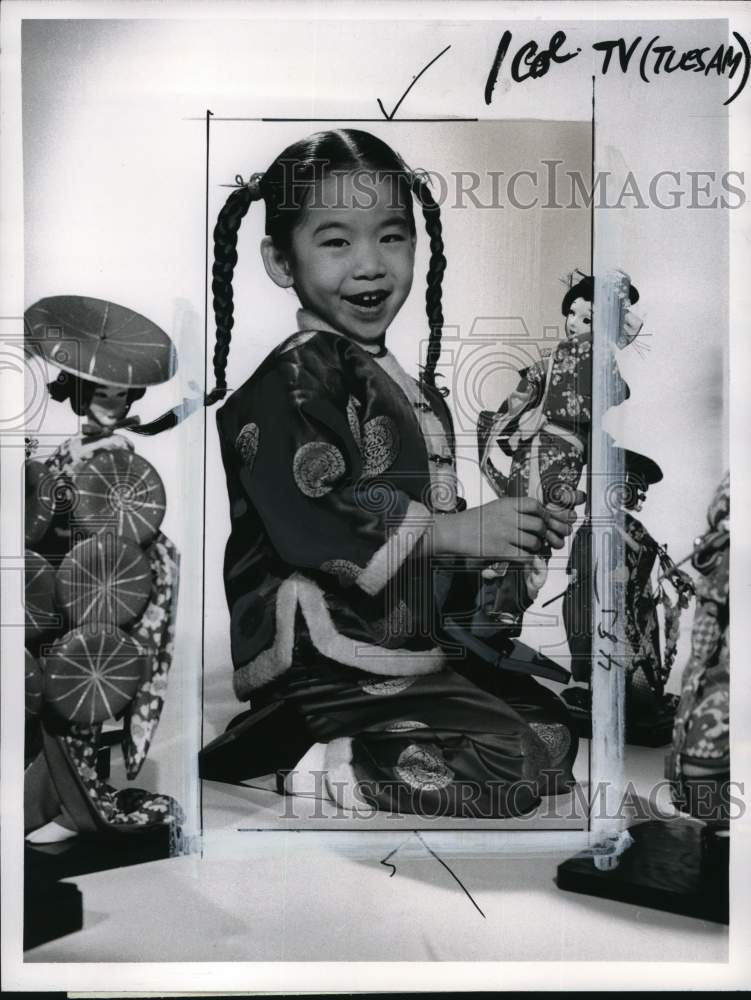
<point>50,910</point>
<point>673,865</point>
<point>53,908</point>
<point>652,730</point>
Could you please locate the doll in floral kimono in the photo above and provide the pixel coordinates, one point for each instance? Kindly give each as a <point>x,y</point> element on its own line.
<point>93,494</point>
<point>699,765</point>
<point>544,427</point>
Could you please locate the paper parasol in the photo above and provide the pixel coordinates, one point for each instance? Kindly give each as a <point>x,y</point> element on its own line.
<point>41,615</point>
<point>104,580</point>
<point>92,674</point>
<point>100,341</point>
<point>120,491</point>
<point>39,503</point>
<point>34,685</point>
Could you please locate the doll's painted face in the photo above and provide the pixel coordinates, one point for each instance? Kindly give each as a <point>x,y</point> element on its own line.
<point>109,404</point>
<point>579,319</point>
<point>352,256</point>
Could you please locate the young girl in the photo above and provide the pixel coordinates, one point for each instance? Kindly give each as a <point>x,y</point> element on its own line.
<point>340,473</point>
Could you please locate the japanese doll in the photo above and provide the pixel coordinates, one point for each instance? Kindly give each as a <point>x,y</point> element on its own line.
<point>101,577</point>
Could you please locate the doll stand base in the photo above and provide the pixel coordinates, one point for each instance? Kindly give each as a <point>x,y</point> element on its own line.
<point>654,730</point>
<point>53,908</point>
<point>50,910</point>
<point>671,866</point>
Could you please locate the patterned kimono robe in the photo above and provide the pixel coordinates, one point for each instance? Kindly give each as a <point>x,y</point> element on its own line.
<point>337,464</point>
<point>544,426</point>
<point>62,781</point>
<point>701,733</point>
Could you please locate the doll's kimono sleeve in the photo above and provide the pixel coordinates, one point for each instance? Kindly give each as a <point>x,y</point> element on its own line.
<point>502,427</point>
<point>296,445</point>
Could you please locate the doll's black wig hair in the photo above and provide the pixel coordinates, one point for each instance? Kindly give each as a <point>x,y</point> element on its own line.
<point>285,188</point>
<point>585,289</point>
<point>79,391</point>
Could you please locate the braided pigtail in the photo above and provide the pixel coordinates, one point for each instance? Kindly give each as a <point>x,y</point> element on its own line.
<point>225,258</point>
<point>434,293</point>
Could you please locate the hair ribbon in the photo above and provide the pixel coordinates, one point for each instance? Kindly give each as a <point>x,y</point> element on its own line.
<point>253,184</point>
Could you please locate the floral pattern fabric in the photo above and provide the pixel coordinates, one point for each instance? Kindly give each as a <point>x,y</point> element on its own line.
<point>543,425</point>
<point>129,807</point>
<point>156,632</point>
<point>701,731</point>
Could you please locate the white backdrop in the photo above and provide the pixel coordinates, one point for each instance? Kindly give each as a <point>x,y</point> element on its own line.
<point>114,174</point>
<point>112,191</point>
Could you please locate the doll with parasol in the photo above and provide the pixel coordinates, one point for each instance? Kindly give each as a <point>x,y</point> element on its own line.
<point>101,578</point>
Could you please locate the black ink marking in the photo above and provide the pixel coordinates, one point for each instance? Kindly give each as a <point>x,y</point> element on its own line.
<point>453,875</point>
<point>536,60</point>
<point>387,864</point>
<point>495,68</point>
<point>390,117</point>
<point>530,61</point>
<point>609,661</point>
<point>624,54</point>
<point>746,59</point>
<point>208,117</point>
<point>643,63</point>
<point>386,861</point>
<point>452,119</point>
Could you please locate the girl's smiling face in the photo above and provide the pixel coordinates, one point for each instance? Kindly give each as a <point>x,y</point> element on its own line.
<point>579,319</point>
<point>352,256</point>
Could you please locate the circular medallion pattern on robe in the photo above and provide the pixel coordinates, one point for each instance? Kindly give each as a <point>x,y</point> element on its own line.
<point>120,490</point>
<point>34,685</point>
<point>316,467</point>
<point>536,754</point>
<point>555,736</point>
<point>246,444</point>
<point>40,611</point>
<point>398,621</point>
<point>346,571</point>
<point>404,726</point>
<point>380,445</point>
<point>38,509</point>
<point>103,580</point>
<point>353,420</point>
<point>424,768</point>
<point>92,674</point>
<point>393,685</point>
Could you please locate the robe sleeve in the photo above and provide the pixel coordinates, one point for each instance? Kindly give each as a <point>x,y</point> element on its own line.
<point>524,397</point>
<point>315,479</point>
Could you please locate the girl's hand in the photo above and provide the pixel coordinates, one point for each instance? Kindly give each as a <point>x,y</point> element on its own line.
<point>560,521</point>
<point>510,528</point>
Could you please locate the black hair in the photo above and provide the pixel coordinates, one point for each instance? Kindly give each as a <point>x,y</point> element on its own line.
<point>80,391</point>
<point>285,188</point>
<point>585,289</point>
